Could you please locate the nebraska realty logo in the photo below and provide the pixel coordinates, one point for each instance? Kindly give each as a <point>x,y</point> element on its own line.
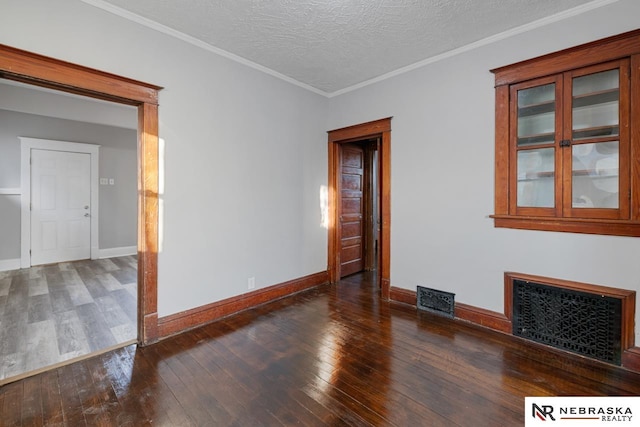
<point>582,411</point>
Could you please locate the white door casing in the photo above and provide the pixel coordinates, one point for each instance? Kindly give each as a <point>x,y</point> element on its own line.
<point>54,235</point>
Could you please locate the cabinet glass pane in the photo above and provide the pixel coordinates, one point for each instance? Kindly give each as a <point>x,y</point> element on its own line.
<point>536,178</point>
<point>536,115</point>
<point>596,105</point>
<point>595,173</point>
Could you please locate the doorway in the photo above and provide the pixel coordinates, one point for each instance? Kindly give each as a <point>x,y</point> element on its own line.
<point>344,225</point>
<point>358,207</point>
<point>31,68</point>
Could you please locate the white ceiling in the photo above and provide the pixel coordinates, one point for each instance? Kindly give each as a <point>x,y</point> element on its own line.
<point>331,46</point>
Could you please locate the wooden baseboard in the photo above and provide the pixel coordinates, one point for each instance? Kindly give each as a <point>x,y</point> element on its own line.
<point>404,296</point>
<point>480,316</point>
<point>180,322</point>
<point>500,322</point>
<point>487,318</point>
<point>631,359</point>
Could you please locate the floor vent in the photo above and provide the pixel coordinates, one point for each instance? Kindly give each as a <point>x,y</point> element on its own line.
<point>434,301</point>
<point>584,323</point>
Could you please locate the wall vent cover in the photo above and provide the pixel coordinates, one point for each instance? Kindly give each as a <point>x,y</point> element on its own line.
<point>584,323</point>
<point>434,301</point>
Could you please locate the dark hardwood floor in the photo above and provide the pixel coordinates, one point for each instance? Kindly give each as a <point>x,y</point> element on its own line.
<point>334,355</point>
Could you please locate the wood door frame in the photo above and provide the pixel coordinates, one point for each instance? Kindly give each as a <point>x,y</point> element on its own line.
<point>28,144</point>
<point>35,69</point>
<point>375,129</point>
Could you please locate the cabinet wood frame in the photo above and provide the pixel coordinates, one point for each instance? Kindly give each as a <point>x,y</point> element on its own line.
<point>625,46</point>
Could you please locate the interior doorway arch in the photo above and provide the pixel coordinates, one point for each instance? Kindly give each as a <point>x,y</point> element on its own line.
<point>31,68</point>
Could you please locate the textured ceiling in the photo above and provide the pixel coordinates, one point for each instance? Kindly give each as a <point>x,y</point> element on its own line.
<point>332,45</point>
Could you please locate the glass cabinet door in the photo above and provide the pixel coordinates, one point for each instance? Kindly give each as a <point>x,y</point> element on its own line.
<point>536,110</point>
<point>595,107</point>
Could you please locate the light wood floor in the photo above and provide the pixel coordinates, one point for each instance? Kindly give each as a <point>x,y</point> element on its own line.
<point>330,356</point>
<point>53,313</point>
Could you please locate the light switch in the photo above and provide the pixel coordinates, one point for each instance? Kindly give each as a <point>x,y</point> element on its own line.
<point>112,181</point>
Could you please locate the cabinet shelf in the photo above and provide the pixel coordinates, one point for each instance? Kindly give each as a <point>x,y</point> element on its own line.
<point>593,132</point>
<point>535,109</point>
<point>537,139</point>
<point>595,98</point>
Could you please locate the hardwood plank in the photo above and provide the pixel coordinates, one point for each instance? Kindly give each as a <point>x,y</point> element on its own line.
<point>11,408</point>
<point>52,413</point>
<point>32,402</point>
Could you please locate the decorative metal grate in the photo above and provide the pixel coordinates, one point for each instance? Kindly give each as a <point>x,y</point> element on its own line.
<point>580,322</point>
<point>435,301</point>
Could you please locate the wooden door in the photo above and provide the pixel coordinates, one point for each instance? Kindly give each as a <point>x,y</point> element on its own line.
<point>60,206</point>
<point>351,209</point>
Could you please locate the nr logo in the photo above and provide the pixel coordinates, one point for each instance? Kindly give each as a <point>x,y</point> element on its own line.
<point>543,412</point>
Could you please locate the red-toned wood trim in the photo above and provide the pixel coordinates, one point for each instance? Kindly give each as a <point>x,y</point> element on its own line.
<point>598,51</point>
<point>40,70</point>
<point>480,316</point>
<point>631,359</point>
<point>148,205</point>
<point>404,296</point>
<point>360,131</point>
<point>627,297</point>
<point>333,209</point>
<point>375,129</point>
<point>502,151</point>
<point>180,322</point>
<point>385,202</point>
<point>634,112</point>
<point>28,67</point>
<point>569,225</point>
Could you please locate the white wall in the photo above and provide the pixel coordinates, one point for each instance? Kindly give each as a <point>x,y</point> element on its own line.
<point>245,153</point>
<point>443,167</point>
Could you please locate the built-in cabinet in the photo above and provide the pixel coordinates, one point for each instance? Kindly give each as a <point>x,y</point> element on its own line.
<point>567,140</point>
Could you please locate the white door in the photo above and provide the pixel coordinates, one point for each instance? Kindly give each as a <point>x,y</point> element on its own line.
<point>60,206</point>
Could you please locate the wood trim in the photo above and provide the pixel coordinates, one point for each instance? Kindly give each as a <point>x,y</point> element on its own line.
<point>43,71</point>
<point>183,321</point>
<point>631,359</point>
<point>48,72</point>
<point>607,49</point>
<point>360,131</point>
<point>376,129</point>
<point>148,205</point>
<point>405,296</point>
<point>503,322</point>
<point>569,225</point>
<point>634,138</point>
<point>480,316</point>
<point>502,154</point>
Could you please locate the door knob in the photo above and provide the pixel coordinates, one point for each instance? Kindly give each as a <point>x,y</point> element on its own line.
<point>87,214</point>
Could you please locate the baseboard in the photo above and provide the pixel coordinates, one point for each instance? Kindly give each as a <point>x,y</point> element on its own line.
<point>115,252</point>
<point>9,264</point>
<point>480,316</point>
<point>500,322</point>
<point>631,359</point>
<point>180,322</point>
<point>404,296</point>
